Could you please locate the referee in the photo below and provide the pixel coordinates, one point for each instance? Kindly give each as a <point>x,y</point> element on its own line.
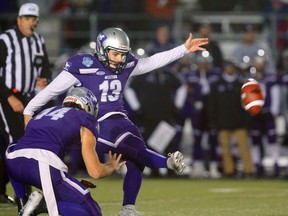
<point>24,68</point>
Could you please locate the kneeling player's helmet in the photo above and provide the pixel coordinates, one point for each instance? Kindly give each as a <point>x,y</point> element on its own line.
<point>82,98</point>
<point>115,39</point>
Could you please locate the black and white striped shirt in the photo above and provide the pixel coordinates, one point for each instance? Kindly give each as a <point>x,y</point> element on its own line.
<point>22,60</point>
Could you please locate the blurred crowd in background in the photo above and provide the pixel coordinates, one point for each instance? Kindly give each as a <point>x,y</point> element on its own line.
<point>193,105</point>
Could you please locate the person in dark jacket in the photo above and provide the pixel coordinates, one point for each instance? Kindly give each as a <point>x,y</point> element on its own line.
<point>229,118</point>
<point>205,30</point>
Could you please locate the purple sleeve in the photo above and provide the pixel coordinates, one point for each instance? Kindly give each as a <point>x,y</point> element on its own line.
<point>90,123</point>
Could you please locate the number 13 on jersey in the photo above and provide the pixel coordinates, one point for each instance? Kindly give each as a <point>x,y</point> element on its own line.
<point>111,90</point>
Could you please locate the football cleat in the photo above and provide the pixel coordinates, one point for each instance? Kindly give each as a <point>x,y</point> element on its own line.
<point>129,210</point>
<point>6,199</point>
<point>198,170</point>
<point>35,205</point>
<point>175,162</point>
<point>21,202</point>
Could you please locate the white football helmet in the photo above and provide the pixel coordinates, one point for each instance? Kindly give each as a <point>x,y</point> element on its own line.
<point>82,98</point>
<point>115,39</point>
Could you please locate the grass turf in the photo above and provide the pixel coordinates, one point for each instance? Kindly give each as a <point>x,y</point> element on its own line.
<point>185,197</point>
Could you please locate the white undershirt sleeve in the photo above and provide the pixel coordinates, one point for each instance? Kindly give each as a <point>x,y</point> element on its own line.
<point>59,85</point>
<point>159,60</point>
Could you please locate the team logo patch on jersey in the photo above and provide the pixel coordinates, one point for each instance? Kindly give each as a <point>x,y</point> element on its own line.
<point>87,61</point>
<point>67,65</point>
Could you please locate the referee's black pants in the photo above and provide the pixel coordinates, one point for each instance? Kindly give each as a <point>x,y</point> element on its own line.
<point>11,129</point>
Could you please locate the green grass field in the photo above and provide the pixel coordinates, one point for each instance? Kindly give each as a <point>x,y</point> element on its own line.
<point>185,197</point>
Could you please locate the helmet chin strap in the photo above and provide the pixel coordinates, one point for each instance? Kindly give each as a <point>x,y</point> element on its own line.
<point>113,63</point>
<point>118,66</point>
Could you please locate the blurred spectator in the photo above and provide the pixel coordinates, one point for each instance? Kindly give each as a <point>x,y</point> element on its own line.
<point>159,95</point>
<point>275,20</point>
<point>162,41</point>
<point>195,109</point>
<point>250,47</point>
<point>162,11</point>
<point>124,13</point>
<point>205,30</point>
<point>128,6</point>
<point>263,125</point>
<point>80,9</point>
<point>217,5</point>
<point>253,6</point>
<point>283,81</point>
<point>230,120</point>
<point>62,7</point>
<point>282,66</point>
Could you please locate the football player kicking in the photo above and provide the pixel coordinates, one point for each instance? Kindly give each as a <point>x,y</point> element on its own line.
<point>106,74</point>
<point>37,158</point>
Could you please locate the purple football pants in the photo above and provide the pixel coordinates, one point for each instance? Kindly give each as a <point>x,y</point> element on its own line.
<point>71,196</point>
<point>121,136</point>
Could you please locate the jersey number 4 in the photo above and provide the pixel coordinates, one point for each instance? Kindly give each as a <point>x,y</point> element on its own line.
<point>55,115</point>
<point>110,90</point>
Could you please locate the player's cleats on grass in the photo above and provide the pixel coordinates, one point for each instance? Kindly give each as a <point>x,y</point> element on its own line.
<point>175,162</point>
<point>129,210</point>
<point>6,199</point>
<point>21,202</point>
<point>35,205</point>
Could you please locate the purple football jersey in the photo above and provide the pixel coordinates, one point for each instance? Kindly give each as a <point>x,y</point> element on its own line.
<point>57,129</point>
<point>107,86</point>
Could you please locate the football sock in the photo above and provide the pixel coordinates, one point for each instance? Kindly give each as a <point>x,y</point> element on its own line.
<point>19,188</point>
<point>152,159</point>
<point>132,183</point>
<point>135,148</point>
